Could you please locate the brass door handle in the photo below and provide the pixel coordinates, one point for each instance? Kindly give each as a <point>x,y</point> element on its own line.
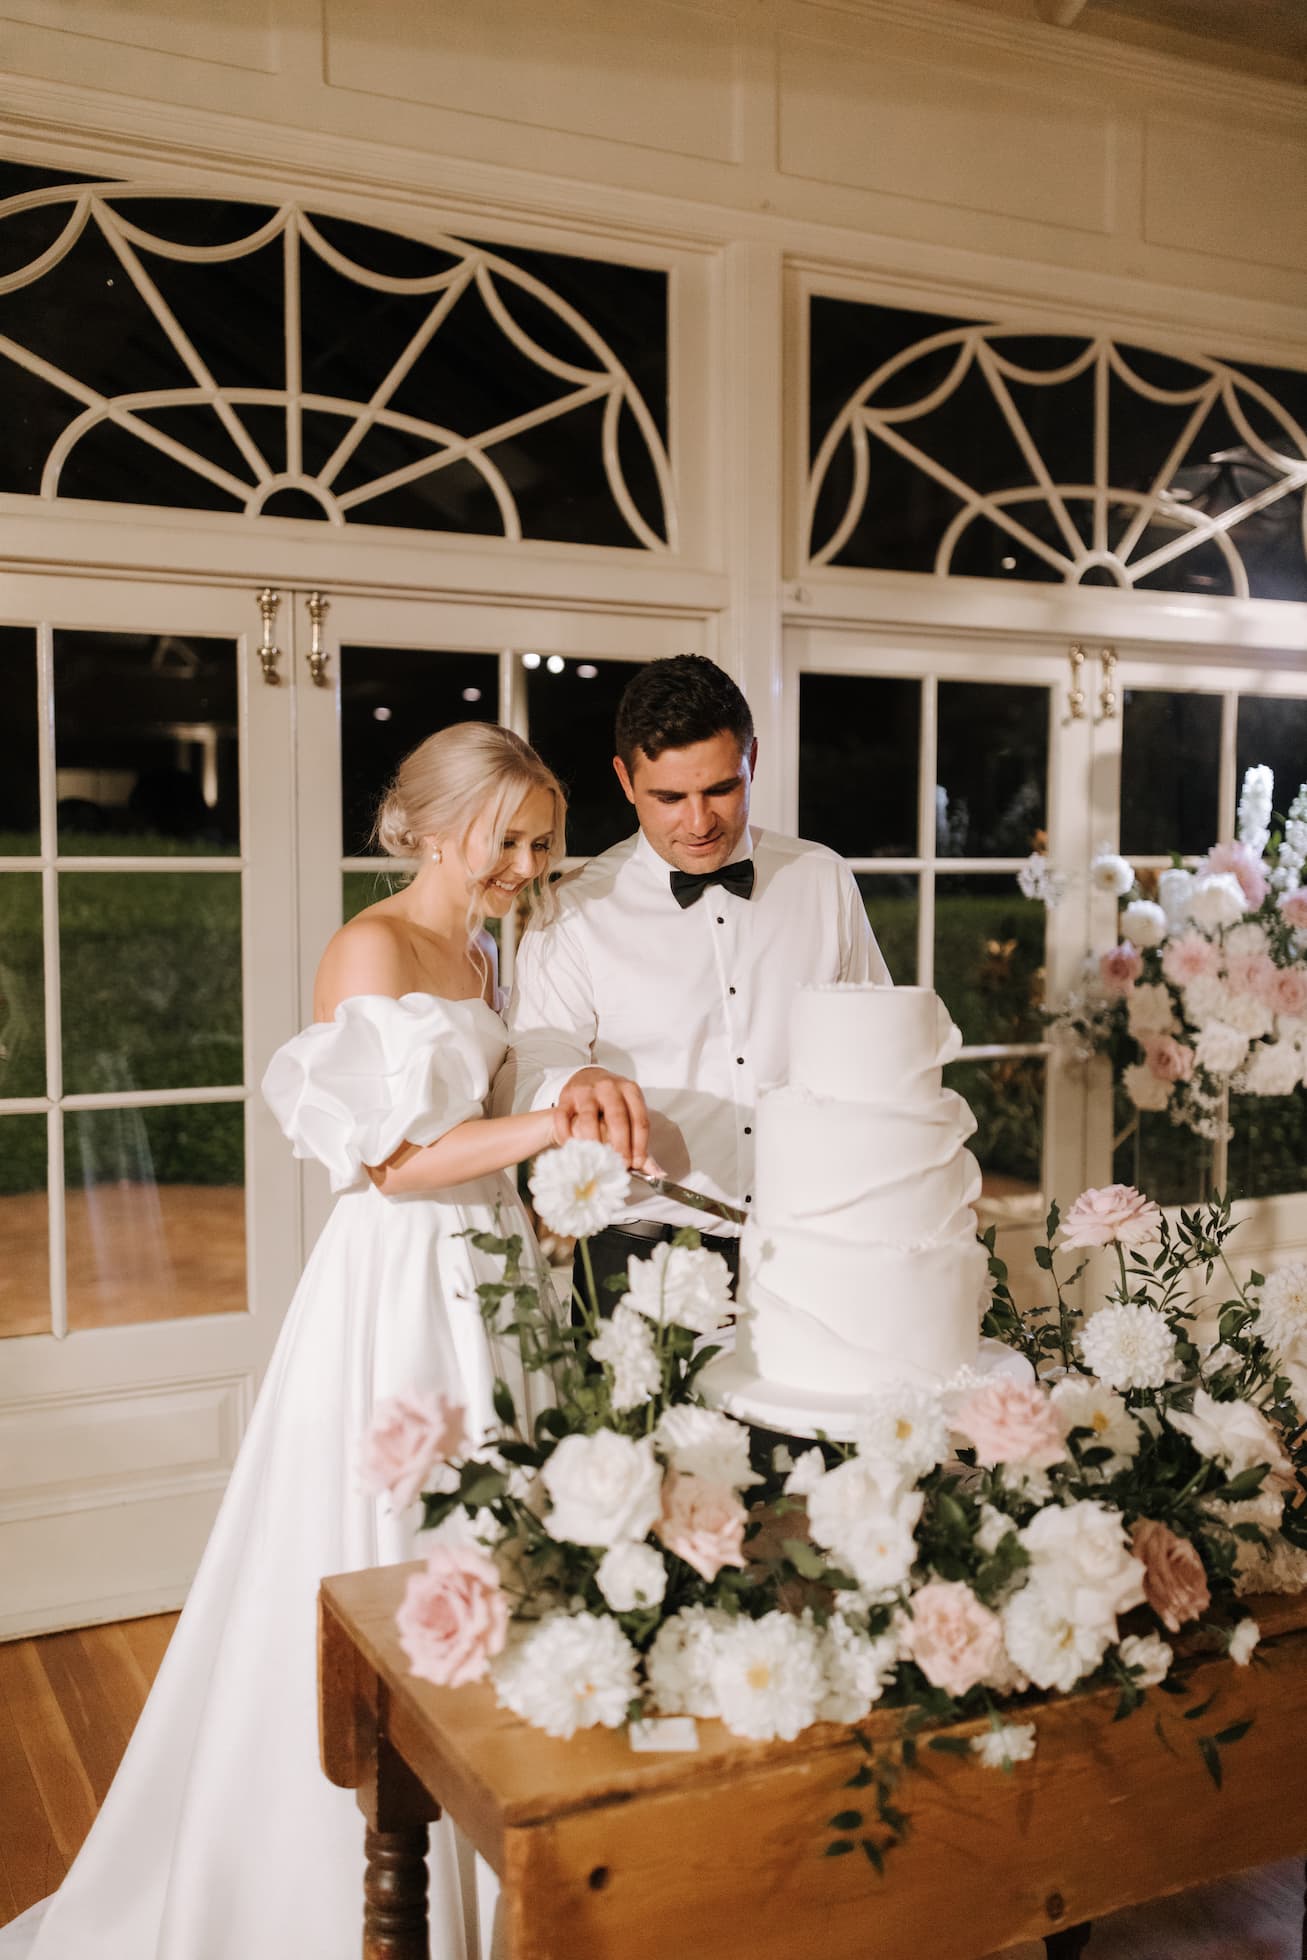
<point>317,654</point>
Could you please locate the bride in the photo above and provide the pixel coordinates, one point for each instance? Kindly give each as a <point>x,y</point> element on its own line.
<point>221,1838</point>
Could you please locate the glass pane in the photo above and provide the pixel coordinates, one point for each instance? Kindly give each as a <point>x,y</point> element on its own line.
<point>892,907</point>
<point>24,1227</point>
<point>1268,1151</point>
<point>392,698</point>
<point>859,751</point>
<point>359,889</point>
<point>1007,1100</point>
<point>146,744</point>
<point>1274,731</point>
<point>992,769</point>
<point>1170,771</point>
<point>20,817</point>
<point>1168,1163</point>
<point>22,986</point>
<point>989,958</point>
<point>156,1213</point>
<point>571,709</point>
<point>151,978</point>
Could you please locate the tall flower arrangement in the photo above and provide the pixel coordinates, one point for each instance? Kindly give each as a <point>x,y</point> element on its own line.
<point>1205,992</point>
<point>629,1555</point>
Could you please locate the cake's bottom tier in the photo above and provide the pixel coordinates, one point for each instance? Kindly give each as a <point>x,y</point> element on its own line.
<point>843,1319</point>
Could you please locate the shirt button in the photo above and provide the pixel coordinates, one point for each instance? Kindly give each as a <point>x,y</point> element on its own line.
<point>748,1130</point>
<point>720,920</point>
<point>748,1197</point>
<point>730,990</point>
<point>740,1060</point>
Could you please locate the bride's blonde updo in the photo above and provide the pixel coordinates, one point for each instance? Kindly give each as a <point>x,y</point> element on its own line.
<point>474,770</point>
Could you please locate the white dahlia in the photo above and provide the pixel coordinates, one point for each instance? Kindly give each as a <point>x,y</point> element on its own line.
<point>1129,1346</point>
<point>1282,1312</point>
<point>905,1428</point>
<point>579,1188</point>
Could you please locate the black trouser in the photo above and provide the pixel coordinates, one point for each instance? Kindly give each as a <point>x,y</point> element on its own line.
<point>610,1250</point>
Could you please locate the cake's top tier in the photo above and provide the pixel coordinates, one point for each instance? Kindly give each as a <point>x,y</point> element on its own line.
<point>859,1043</point>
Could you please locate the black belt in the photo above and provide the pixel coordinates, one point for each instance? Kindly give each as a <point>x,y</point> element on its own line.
<point>646,1230</point>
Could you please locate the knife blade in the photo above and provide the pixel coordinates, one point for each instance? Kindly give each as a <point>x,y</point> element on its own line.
<point>681,1194</point>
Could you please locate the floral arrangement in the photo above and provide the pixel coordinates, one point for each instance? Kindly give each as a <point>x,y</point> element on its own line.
<point>632,1556</point>
<point>1206,991</point>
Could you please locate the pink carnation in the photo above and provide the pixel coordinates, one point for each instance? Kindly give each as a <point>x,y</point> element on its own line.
<point>1119,968</point>
<point>1293,908</point>
<point>1289,993</point>
<point>1190,958</point>
<point>1251,973</point>
<point>454,1617</point>
<point>410,1436</point>
<point>1244,863</point>
<point>702,1523</point>
<point>955,1641</point>
<point>1011,1422</point>
<point>1168,1059</point>
<point>1115,1215</point>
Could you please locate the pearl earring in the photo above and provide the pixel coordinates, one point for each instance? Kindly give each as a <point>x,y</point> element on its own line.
<point>437,855</point>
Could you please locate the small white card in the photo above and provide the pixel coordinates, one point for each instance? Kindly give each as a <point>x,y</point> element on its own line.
<point>664,1733</point>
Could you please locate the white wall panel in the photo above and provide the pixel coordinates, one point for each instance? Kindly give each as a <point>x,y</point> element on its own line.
<point>1212,187</point>
<point>237,34</point>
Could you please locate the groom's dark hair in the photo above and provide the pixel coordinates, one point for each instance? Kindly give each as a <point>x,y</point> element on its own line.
<point>669,704</point>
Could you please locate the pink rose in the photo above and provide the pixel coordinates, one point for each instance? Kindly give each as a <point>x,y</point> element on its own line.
<point>1011,1422</point>
<point>1175,1584</point>
<point>702,1523</point>
<point>1246,865</point>
<point>1190,958</point>
<point>1250,973</point>
<point>1119,968</point>
<point>1115,1215</point>
<point>454,1617</point>
<point>409,1437</point>
<point>1289,993</point>
<point>955,1641</point>
<point>1293,908</point>
<point>1168,1059</point>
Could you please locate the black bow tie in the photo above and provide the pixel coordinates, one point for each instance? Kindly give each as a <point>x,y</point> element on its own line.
<point>688,887</point>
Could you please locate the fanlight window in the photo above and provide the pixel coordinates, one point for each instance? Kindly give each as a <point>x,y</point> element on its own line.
<point>993,452</point>
<point>211,354</point>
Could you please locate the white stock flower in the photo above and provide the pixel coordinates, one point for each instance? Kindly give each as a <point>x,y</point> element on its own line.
<point>1148,1009</point>
<point>625,1343</point>
<point>866,1526</point>
<point>905,1428</point>
<point>1149,1654</point>
<point>1056,1634</point>
<point>767,1676</point>
<point>1173,889</point>
<point>1220,1048</point>
<point>1275,1068</point>
<point>1217,900</point>
<point>569,1672</point>
<point>579,1188</point>
<point>1083,1547</point>
<point>604,1488</point>
<point>705,1443</point>
<point>1143,923</point>
<point>1242,1642</point>
<point>1085,1404</point>
<point>855,1668</point>
<point>1145,1090</point>
<point>1255,802</point>
<point>806,1472</point>
<point>679,1664</point>
<point>1282,1312</point>
<point>1231,1433</point>
<point>680,1284</point>
<point>1110,874</point>
<point>1128,1346</point>
<point>631,1576</point>
<point>1000,1748</point>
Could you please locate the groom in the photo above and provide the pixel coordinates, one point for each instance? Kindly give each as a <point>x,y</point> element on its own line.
<point>654,1009</point>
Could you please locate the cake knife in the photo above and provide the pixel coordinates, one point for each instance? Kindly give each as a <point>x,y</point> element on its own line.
<point>681,1194</point>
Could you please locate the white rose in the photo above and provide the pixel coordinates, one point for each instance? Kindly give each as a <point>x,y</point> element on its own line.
<point>1149,1654</point>
<point>691,1288</point>
<point>1084,1546</point>
<point>1143,923</point>
<point>1217,900</point>
<point>1233,1433</point>
<point>1148,1009</point>
<point>1056,1634</point>
<point>1145,1090</point>
<point>631,1576</point>
<point>1173,889</point>
<point>705,1443</point>
<point>604,1488</point>
<point>1111,874</point>
<point>867,1528</point>
<point>1220,1048</point>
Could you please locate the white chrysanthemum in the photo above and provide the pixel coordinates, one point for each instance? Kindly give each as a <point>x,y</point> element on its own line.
<point>867,1527</point>
<point>1148,1009</point>
<point>1129,1346</point>
<point>1206,998</point>
<point>1282,1312</point>
<point>1083,1547</point>
<point>625,1344</point>
<point>767,1677</point>
<point>705,1443</point>
<point>603,1488</point>
<point>1111,875</point>
<point>1217,900</point>
<point>1245,941</point>
<point>905,1428</point>
<point>1149,1654</point>
<point>1275,1068</point>
<point>1231,1433</point>
<point>1083,1404</point>
<point>1252,1017</point>
<point>1143,923</point>
<point>993,1528</point>
<point>1056,1634</point>
<point>806,1472</point>
<point>571,1671</point>
<point>1220,1048</point>
<point>855,1669</point>
<point>579,1188</point>
<point>1242,1642</point>
<point>680,1284</point>
<point>1000,1748</point>
<point>1173,889</point>
<point>1145,1090</point>
<point>631,1576</point>
<point>678,1666</point>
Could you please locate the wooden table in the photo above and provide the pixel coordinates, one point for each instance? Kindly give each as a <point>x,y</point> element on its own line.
<point>605,1854</point>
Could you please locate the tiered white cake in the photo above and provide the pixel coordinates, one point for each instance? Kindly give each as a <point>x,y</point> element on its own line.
<point>859,1262</point>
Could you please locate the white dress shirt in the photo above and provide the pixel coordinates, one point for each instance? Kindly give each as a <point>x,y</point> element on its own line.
<point>693,1003</point>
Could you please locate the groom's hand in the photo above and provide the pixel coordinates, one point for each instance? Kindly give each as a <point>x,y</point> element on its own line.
<point>607,1108</point>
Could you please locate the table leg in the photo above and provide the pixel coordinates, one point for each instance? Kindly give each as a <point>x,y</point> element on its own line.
<point>395,1895</point>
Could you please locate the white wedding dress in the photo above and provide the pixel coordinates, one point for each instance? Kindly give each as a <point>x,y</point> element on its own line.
<point>220,1838</point>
